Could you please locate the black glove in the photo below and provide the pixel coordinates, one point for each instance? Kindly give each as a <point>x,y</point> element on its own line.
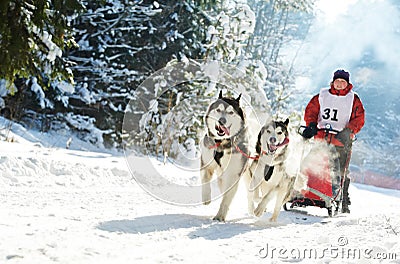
<point>310,131</point>
<point>344,137</point>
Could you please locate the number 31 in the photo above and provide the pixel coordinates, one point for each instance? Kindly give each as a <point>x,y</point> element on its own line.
<point>327,114</point>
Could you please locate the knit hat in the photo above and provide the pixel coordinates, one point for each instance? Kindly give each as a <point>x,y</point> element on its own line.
<point>341,74</point>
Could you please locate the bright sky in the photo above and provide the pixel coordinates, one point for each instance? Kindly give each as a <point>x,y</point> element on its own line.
<point>347,32</point>
<point>330,9</point>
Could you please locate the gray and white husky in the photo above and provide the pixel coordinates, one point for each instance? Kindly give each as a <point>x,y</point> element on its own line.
<point>223,150</point>
<point>267,175</point>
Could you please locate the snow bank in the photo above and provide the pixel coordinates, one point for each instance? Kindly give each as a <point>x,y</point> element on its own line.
<point>23,165</point>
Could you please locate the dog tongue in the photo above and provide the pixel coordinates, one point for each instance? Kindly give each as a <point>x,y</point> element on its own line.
<point>272,148</point>
<point>225,129</point>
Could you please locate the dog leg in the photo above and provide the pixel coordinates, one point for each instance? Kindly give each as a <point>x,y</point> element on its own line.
<point>263,204</point>
<point>250,194</point>
<point>230,187</point>
<point>258,177</point>
<point>206,176</point>
<point>280,197</point>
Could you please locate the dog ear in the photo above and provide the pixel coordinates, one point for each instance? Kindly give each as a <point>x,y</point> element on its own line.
<point>237,99</point>
<point>220,94</point>
<point>258,144</point>
<point>286,122</point>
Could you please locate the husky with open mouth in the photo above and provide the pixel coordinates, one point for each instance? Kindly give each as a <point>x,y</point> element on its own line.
<point>223,150</point>
<point>267,174</point>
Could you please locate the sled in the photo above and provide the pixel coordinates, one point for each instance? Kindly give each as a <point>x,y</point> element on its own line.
<point>324,186</point>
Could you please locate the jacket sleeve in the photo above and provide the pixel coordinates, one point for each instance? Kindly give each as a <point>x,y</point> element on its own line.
<point>312,111</point>
<point>357,118</point>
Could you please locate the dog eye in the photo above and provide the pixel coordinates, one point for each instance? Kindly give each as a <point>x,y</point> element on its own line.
<point>268,131</point>
<point>279,133</point>
<point>230,113</point>
<point>218,110</point>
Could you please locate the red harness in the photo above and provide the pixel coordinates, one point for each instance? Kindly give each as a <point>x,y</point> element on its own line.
<point>246,155</point>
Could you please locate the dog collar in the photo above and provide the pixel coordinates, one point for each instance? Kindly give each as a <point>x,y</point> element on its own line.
<point>215,146</point>
<point>220,143</point>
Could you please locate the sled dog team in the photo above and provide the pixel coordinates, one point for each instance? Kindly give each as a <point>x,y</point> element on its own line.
<point>225,152</point>
<point>225,149</point>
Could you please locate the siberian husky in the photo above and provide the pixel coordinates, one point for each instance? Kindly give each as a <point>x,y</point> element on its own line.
<point>223,150</point>
<point>267,174</point>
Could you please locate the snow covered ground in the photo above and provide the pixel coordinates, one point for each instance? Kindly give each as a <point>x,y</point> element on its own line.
<point>82,206</point>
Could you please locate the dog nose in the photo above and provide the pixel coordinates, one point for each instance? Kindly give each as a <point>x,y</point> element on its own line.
<point>222,121</point>
<point>272,140</point>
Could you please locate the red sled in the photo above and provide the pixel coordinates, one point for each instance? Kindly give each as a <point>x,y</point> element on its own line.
<point>324,186</point>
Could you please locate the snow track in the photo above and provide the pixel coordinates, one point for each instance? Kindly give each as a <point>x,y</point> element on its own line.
<point>67,206</point>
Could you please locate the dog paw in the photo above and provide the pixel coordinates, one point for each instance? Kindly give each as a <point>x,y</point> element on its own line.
<point>206,202</point>
<point>206,198</point>
<point>219,218</point>
<point>259,211</point>
<point>273,219</point>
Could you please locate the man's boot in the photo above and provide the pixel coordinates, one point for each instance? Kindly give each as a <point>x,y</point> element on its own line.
<point>346,198</point>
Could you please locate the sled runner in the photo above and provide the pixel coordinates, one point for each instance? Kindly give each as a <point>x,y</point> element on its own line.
<point>324,186</point>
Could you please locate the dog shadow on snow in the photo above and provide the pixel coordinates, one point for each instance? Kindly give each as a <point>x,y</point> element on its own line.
<point>197,226</point>
<point>200,226</point>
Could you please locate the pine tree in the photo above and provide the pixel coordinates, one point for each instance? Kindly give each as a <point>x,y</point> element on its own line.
<point>166,122</point>
<point>121,43</point>
<point>33,36</point>
<point>278,22</point>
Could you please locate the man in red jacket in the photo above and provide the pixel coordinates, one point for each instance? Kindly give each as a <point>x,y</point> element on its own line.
<point>340,109</point>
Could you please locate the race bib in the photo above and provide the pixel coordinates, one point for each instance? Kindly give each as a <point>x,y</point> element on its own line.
<point>335,111</point>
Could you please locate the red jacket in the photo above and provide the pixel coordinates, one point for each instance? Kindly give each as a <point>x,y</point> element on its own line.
<point>356,121</point>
